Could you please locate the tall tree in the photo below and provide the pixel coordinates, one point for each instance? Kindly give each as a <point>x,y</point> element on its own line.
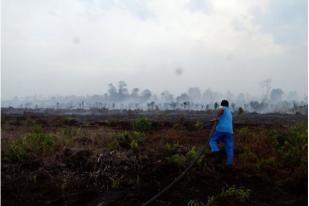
<point>135,93</point>
<point>276,95</point>
<point>195,93</point>
<point>146,94</point>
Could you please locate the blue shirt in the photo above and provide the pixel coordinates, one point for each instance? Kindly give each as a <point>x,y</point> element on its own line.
<point>225,123</point>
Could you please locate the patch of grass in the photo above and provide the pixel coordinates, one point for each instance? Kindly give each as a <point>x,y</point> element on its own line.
<point>37,142</point>
<point>29,122</point>
<point>265,163</point>
<point>127,140</point>
<point>169,142</point>
<point>199,125</point>
<point>17,151</point>
<point>181,160</point>
<point>247,154</point>
<point>292,145</point>
<point>67,120</point>
<point>178,160</point>
<point>168,146</point>
<point>70,132</point>
<point>193,153</point>
<point>195,203</point>
<point>134,144</point>
<point>240,193</point>
<point>211,200</point>
<point>244,133</point>
<point>120,140</point>
<point>142,124</point>
<point>115,183</point>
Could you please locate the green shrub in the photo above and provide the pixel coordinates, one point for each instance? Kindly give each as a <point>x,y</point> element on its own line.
<point>244,132</point>
<point>265,162</point>
<point>193,153</point>
<point>137,136</point>
<point>134,145</point>
<point>115,183</point>
<point>211,200</point>
<point>168,146</point>
<point>292,145</point>
<point>17,151</point>
<point>241,193</point>
<point>178,160</point>
<point>37,129</point>
<point>168,143</point>
<point>30,122</point>
<point>199,125</point>
<point>142,124</point>
<point>70,132</point>
<point>127,140</point>
<point>37,141</point>
<point>66,120</point>
<point>248,155</point>
<point>195,203</point>
<point>120,140</point>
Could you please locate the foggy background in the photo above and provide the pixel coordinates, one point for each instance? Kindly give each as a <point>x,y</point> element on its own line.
<point>77,47</point>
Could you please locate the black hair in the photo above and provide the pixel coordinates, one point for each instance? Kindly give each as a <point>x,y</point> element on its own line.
<point>225,103</point>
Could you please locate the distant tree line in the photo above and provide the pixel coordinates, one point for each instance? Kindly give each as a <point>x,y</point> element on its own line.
<point>119,97</point>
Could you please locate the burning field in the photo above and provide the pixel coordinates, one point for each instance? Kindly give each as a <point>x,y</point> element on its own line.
<point>126,158</point>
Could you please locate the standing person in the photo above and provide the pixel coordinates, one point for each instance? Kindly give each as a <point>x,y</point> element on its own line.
<point>223,132</point>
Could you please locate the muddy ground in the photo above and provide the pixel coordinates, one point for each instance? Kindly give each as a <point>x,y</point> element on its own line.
<point>125,159</point>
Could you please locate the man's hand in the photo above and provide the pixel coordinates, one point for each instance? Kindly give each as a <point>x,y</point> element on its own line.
<point>219,113</point>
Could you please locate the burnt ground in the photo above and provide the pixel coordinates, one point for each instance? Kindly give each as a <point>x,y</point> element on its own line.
<point>82,167</point>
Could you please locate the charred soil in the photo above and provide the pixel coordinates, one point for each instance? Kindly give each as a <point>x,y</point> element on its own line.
<point>67,160</point>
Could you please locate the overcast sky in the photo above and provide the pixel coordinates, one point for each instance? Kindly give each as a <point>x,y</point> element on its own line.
<point>77,47</point>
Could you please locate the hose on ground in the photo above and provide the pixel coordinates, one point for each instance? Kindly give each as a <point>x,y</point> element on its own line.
<point>177,179</point>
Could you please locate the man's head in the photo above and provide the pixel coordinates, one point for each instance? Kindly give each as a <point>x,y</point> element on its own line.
<point>224,103</point>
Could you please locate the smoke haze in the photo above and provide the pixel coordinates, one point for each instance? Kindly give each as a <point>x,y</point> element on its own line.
<point>77,47</point>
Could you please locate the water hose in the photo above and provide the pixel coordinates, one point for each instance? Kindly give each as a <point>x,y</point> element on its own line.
<point>177,179</point>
